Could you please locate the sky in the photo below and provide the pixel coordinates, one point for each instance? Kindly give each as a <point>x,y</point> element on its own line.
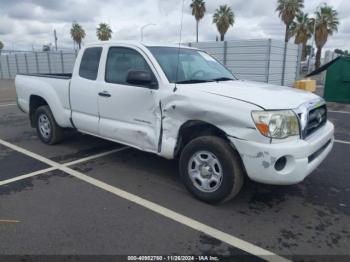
<point>30,23</point>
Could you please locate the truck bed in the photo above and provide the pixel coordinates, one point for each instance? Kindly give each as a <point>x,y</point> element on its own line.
<point>59,76</point>
<point>53,88</point>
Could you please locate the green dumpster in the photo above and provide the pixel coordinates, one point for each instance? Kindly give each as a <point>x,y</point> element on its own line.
<point>337,85</point>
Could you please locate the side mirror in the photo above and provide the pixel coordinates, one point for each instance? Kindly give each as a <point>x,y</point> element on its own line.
<point>143,78</point>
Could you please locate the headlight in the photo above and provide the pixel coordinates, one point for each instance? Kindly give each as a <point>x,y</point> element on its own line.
<point>276,124</point>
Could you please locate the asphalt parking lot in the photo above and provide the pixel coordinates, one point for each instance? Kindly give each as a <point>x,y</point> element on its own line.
<point>87,196</point>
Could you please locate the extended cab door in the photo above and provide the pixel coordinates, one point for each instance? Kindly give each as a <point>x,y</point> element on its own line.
<point>83,91</point>
<point>128,112</point>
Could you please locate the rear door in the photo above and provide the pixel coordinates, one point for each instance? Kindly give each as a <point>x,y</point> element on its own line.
<point>128,113</point>
<point>83,91</point>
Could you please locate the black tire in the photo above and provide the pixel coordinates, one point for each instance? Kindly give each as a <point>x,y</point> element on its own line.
<point>56,132</point>
<point>232,174</point>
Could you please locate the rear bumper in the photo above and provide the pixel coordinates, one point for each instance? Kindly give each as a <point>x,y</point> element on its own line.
<point>302,157</point>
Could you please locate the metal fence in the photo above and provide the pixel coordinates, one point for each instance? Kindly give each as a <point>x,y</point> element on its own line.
<point>257,60</point>
<point>16,62</point>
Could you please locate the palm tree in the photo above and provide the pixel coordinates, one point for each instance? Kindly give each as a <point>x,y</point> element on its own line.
<point>77,33</point>
<point>287,10</point>
<point>198,10</point>
<point>302,29</point>
<point>326,24</point>
<point>104,32</point>
<point>223,18</point>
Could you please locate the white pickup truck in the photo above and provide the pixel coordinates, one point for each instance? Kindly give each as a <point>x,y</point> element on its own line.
<point>182,103</point>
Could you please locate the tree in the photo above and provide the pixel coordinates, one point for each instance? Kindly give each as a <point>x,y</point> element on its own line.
<point>302,29</point>
<point>326,24</point>
<point>1,45</point>
<point>287,10</point>
<point>198,11</point>
<point>104,32</point>
<point>223,18</point>
<point>77,33</point>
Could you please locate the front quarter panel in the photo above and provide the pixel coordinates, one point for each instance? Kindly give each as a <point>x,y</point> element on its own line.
<point>230,115</point>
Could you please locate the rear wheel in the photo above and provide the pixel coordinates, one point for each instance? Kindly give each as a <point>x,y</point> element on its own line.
<point>48,130</point>
<point>211,169</point>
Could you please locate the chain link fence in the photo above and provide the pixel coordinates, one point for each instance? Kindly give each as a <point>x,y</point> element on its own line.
<point>35,62</point>
<point>262,60</point>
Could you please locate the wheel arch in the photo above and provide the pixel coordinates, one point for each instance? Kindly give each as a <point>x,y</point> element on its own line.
<point>35,102</point>
<point>61,114</point>
<point>195,128</point>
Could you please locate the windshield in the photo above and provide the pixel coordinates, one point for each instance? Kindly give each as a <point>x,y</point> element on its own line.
<point>194,66</point>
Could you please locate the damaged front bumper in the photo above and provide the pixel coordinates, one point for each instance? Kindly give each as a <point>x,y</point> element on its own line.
<point>285,163</point>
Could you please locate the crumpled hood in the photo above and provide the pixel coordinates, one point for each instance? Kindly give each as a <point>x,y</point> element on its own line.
<point>262,94</point>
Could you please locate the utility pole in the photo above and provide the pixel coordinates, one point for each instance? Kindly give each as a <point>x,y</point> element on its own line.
<point>142,28</point>
<point>55,35</point>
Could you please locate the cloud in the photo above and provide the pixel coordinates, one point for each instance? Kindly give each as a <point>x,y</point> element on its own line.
<point>37,28</point>
<point>6,25</point>
<point>31,22</point>
<point>53,11</point>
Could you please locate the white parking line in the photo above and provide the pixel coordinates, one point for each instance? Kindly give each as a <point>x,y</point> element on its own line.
<point>38,172</point>
<point>31,154</point>
<point>342,142</point>
<point>95,156</point>
<point>341,112</point>
<point>4,105</point>
<point>187,221</point>
<point>7,181</point>
<point>170,214</point>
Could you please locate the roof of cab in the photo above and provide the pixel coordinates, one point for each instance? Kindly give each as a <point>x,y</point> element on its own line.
<point>138,44</point>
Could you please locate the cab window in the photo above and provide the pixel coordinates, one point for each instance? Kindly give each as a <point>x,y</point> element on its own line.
<point>120,61</point>
<point>89,63</point>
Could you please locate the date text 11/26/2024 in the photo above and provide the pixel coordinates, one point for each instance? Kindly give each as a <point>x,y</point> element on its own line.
<point>174,258</point>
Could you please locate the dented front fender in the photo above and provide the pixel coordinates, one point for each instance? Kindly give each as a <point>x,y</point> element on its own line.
<point>231,116</point>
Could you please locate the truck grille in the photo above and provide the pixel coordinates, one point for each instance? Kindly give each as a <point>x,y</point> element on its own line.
<point>316,118</point>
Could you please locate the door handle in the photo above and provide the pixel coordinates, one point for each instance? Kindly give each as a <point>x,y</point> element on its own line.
<point>104,94</point>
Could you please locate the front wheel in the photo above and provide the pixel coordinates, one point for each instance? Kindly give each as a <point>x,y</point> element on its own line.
<point>48,130</point>
<point>211,169</point>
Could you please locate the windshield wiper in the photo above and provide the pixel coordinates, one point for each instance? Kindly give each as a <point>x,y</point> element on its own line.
<point>222,79</point>
<point>193,81</point>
